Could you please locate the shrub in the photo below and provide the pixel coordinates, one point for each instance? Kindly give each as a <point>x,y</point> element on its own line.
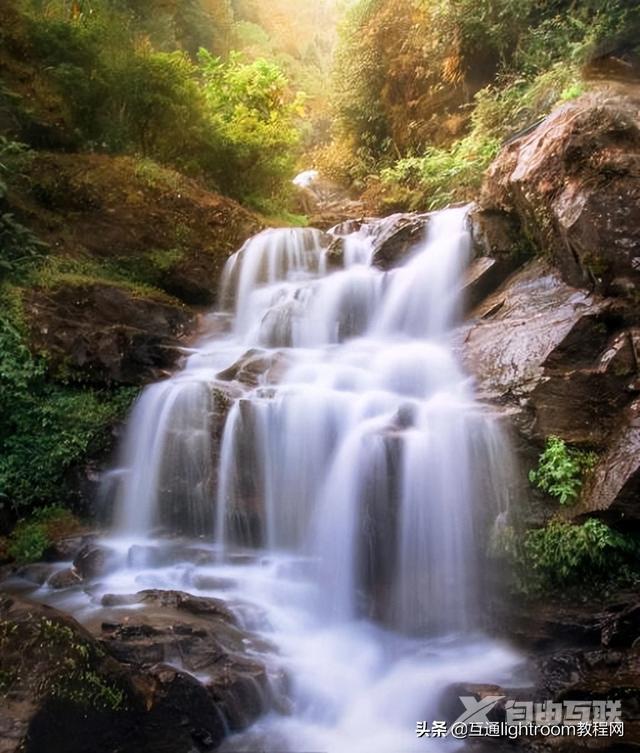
<point>31,538</point>
<point>20,249</point>
<point>443,176</point>
<point>253,121</point>
<point>588,556</point>
<point>561,469</point>
<point>565,554</point>
<point>45,428</point>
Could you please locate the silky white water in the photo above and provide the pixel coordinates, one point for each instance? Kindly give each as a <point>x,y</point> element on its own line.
<point>356,469</point>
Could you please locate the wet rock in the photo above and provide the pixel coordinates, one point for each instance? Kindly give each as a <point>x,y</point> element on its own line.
<point>335,253</point>
<point>93,561</point>
<point>450,707</point>
<point>256,367</point>
<point>481,278</point>
<point>572,185</point>
<point>66,548</point>
<point>104,333</point>
<point>37,572</point>
<point>622,629</point>
<point>65,578</point>
<point>613,489</point>
<point>180,600</point>
<point>541,348</point>
<point>396,238</point>
<point>152,707</point>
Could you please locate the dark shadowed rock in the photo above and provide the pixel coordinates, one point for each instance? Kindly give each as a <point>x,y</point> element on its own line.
<point>335,253</point>
<point>66,548</point>
<point>93,561</point>
<point>65,578</point>
<point>614,486</point>
<point>481,278</point>
<point>144,705</point>
<point>105,333</point>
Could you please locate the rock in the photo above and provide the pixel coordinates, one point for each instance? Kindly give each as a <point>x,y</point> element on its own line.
<point>614,486</point>
<point>180,600</point>
<point>395,239</point>
<point>335,253</point>
<point>65,578</point>
<point>93,561</point>
<point>66,548</point>
<point>481,278</point>
<point>70,690</point>
<point>542,348</point>
<point>37,572</point>
<point>572,185</point>
<point>105,333</point>
<point>450,707</point>
<point>256,367</point>
<point>622,629</point>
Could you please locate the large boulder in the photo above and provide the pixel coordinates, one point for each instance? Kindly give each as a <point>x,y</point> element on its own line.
<point>396,237</point>
<point>571,186</point>
<point>550,353</point>
<point>613,489</point>
<point>100,332</point>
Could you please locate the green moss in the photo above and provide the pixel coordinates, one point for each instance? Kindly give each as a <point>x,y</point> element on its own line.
<point>61,271</point>
<point>45,427</point>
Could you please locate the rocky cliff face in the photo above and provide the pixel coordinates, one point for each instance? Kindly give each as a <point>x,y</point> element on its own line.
<point>555,347</point>
<point>557,343</point>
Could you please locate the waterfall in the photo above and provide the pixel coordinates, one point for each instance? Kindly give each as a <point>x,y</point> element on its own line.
<point>354,460</point>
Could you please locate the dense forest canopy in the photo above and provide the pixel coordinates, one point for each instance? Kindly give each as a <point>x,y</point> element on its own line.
<point>424,91</point>
<point>138,76</point>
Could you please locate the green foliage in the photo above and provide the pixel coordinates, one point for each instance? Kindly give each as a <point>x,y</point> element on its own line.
<point>564,554</point>
<point>45,428</point>
<point>19,247</point>
<point>31,537</point>
<point>431,87</point>
<point>443,176</point>
<point>253,115</point>
<point>234,123</point>
<point>590,556</point>
<point>561,469</point>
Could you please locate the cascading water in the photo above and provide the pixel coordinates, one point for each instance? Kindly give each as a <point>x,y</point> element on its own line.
<point>358,468</point>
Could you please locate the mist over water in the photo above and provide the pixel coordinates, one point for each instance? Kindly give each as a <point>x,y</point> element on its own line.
<point>352,491</point>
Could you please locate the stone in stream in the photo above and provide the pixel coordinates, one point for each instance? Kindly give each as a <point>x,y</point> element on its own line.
<point>395,241</point>
<point>94,560</point>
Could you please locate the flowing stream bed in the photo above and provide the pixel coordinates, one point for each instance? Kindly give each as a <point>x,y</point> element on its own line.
<point>348,503</point>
